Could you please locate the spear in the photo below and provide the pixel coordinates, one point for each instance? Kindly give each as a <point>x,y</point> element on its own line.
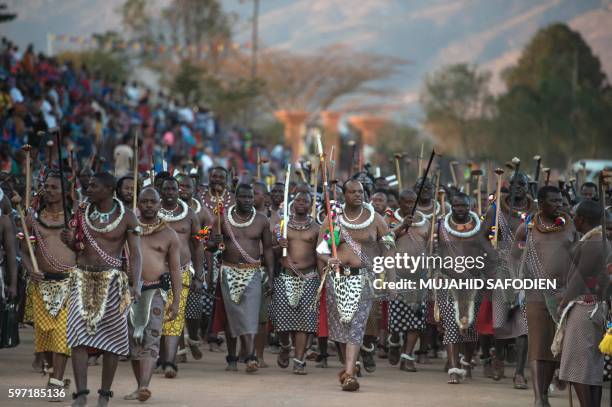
<point>49,153</point>
<point>286,207</point>
<point>452,165</point>
<point>431,157</point>
<point>26,236</point>
<point>433,216</point>
<point>135,194</point>
<point>28,189</point>
<point>478,174</point>
<point>498,172</point>
<point>420,163</point>
<point>516,162</point>
<point>58,142</point>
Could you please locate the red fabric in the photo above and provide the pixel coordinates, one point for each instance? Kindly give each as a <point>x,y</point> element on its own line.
<point>219,318</point>
<point>484,319</point>
<point>384,315</point>
<point>323,330</point>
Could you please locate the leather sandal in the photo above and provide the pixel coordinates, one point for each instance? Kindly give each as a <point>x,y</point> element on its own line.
<point>170,370</point>
<point>252,365</point>
<point>349,383</point>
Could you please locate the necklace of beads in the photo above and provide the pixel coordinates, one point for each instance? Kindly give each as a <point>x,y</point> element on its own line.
<point>108,228</point>
<point>236,224</point>
<point>169,216</point>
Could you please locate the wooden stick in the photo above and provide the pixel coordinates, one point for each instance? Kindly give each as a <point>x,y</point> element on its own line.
<point>433,215</point>
<point>547,172</point>
<point>26,236</point>
<point>50,154</point>
<point>398,171</point>
<point>420,163</point>
<point>431,157</point>
<point>258,164</point>
<point>220,209</point>
<point>478,175</point>
<point>286,207</point>
<point>452,171</point>
<point>330,220</point>
<point>28,174</point>
<point>61,169</point>
<point>135,195</point>
<point>499,172</point>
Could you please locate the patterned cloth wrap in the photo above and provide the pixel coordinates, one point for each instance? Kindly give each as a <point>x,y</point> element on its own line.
<point>238,278</point>
<point>146,320</point>
<point>175,327</point>
<point>98,310</point>
<point>50,306</point>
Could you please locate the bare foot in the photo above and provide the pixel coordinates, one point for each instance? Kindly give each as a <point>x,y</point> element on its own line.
<point>80,401</point>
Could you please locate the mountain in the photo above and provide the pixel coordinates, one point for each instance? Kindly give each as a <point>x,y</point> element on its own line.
<point>428,33</point>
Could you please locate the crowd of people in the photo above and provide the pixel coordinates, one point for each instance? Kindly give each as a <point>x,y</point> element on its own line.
<point>150,265</point>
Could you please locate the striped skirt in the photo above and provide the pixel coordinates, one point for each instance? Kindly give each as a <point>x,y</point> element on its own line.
<point>103,326</point>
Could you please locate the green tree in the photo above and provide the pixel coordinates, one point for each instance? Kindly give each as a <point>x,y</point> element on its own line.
<point>558,101</point>
<point>454,99</point>
<point>108,65</point>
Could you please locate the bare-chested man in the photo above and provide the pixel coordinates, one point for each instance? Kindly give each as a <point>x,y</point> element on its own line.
<point>277,195</point>
<point>52,284</point>
<point>373,325</point>
<point>546,242</point>
<point>460,237</point>
<point>160,269</point>
<point>349,298</point>
<point>177,214</point>
<point>583,309</point>
<point>296,285</point>
<point>246,233</point>
<point>100,294</point>
<point>217,196</point>
<point>509,318</point>
<point>195,300</point>
<point>407,313</point>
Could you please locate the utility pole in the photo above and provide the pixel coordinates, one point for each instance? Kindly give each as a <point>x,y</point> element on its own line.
<point>254,39</point>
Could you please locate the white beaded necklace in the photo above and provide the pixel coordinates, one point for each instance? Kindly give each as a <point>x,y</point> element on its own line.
<point>455,233</point>
<point>363,225</point>
<point>235,224</point>
<point>169,216</point>
<point>420,223</point>
<point>113,225</point>
<point>436,210</point>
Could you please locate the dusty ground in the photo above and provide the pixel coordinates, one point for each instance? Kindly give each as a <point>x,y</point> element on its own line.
<point>205,382</point>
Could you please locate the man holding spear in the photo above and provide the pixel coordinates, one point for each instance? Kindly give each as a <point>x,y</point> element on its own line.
<point>360,234</point>
<point>49,271</point>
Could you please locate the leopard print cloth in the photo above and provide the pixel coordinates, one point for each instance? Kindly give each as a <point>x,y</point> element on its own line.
<point>347,290</point>
<point>54,294</point>
<point>294,286</point>
<point>92,288</point>
<point>238,279</point>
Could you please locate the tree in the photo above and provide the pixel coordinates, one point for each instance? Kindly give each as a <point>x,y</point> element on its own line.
<point>454,100</point>
<point>316,81</point>
<point>108,65</point>
<point>558,100</point>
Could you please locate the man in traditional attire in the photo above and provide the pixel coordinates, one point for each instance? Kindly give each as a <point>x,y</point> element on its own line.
<point>362,233</point>
<point>100,291</point>
<point>246,233</point>
<point>293,308</point>
<point>160,268</point>
<point>460,236</point>
<point>545,239</point>
<point>195,299</point>
<point>583,307</point>
<point>509,318</point>
<point>408,312</point>
<point>51,285</point>
<point>178,216</point>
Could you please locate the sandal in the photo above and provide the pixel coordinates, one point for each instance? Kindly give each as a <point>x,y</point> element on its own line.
<point>521,383</point>
<point>349,383</point>
<point>367,356</point>
<point>394,351</point>
<point>498,370</point>
<point>55,384</point>
<point>252,365</point>
<point>79,394</point>
<point>282,360</point>
<point>232,363</point>
<point>170,370</point>
<point>144,394</point>
<point>455,375</point>
<point>299,367</point>
<point>407,363</point>
<point>132,396</point>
